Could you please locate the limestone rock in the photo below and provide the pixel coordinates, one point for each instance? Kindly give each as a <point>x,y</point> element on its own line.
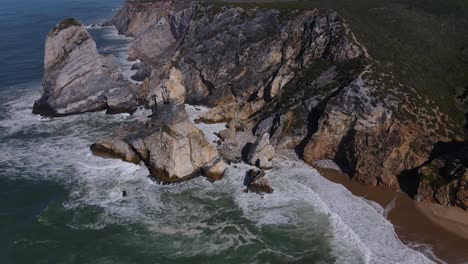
<point>77,79</point>
<point>116,147</point>
<point>136,16</point>
<point>169,90</point>
<point>154,42</point>
<point>171,146</point>
<point>261,153</point>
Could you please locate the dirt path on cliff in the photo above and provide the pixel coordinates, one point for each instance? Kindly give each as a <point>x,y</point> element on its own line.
<point>417,225</point>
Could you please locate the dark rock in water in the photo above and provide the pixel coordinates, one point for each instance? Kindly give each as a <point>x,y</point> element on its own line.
<point>143,72</point>
<point>261,186</point>
<point>256,181</point>
<point>77,79</point>
<point>136,66</point>
<point>124,193</point>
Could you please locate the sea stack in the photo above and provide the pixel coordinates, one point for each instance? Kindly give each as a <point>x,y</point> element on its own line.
<point>77,79</point>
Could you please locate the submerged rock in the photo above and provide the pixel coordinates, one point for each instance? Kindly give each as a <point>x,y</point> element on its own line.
<point>77,79</point>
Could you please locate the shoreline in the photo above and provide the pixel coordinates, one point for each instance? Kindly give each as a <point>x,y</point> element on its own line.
<point>445,229</point>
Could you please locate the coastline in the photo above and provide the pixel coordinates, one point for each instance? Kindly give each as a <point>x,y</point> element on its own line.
<point>445,229</point>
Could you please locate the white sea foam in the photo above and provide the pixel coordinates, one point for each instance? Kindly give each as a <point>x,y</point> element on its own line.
<point>327,164</point>
<point>119,49</point>
<point>352,217</point>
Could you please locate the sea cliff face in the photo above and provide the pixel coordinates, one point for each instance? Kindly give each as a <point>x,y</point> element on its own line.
<point>299,77</point>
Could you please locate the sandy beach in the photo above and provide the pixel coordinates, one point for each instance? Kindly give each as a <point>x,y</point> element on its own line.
<point>445,229</point>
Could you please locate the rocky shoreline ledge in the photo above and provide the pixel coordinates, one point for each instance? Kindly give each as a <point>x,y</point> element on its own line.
<point>283,80</point>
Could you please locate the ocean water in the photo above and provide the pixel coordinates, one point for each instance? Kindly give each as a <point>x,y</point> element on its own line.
<point>61,204</point>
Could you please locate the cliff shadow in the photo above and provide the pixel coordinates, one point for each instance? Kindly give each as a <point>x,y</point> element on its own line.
<point>409,179</point>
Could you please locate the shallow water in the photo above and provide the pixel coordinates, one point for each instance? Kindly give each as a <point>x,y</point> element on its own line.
<point>61,204</point>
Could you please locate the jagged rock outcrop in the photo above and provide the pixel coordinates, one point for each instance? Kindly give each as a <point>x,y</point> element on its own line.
<point>170,145</point>
<point>246,56</point>
<point>261,153</point>
<point>77,79</point>
<point>365,139</point>
<point>136,16</point>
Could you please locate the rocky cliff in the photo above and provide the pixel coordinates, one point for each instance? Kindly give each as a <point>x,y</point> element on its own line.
<point>297,76</point>
<point>77,79</point>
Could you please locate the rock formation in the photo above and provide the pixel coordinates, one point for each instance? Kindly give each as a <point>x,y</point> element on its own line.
<point>282,79</point>
<point>77,79</point>
<point>171,146</point>
<point>261,153</point>
<point>257,182</point>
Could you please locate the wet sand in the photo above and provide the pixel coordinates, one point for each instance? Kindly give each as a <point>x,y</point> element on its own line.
<point>444,229</point>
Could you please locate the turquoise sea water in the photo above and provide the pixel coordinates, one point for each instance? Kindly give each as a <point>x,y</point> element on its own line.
<point>61,204</point>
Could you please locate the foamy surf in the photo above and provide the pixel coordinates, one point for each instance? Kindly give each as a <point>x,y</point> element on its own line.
<point>363,225</point>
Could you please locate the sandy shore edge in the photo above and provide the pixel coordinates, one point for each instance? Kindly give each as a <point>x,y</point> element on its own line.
<point>444,229</point>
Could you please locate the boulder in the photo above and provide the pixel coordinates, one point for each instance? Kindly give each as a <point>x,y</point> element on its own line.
<point>257,182</point>
<point>77,79</point>
<point>261,185</point>
<point>261,153</point>
<point>115,147</point>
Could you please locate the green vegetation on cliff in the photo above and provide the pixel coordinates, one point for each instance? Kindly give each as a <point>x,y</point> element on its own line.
<point>66,23</point>
<point>423,43</point>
